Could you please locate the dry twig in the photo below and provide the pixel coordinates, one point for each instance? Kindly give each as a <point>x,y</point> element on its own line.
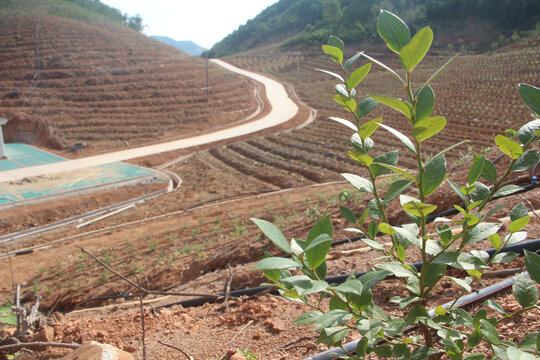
<point>141,294</point>
<point>228,289</point>
<point>175,348</point>
<point>146,291</point>
<point>292,342</point>
<point>37,344</point>
<point>240,331</point>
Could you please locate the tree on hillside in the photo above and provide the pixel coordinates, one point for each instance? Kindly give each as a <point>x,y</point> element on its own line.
<point>332,12</point>
<point>135,22</point>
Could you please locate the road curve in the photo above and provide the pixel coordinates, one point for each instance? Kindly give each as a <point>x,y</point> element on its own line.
<point>282,110</point>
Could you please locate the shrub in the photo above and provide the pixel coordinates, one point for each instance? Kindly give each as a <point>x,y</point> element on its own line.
<point>337,310</point>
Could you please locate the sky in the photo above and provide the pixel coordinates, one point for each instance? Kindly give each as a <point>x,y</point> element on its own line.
<point>205,22</point>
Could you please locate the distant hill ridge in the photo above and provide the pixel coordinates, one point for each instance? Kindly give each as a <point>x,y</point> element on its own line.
<point>468,24</point>
<point>187,46</point>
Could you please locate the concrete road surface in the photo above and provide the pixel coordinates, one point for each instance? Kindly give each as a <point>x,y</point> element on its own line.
<point>283,109</point>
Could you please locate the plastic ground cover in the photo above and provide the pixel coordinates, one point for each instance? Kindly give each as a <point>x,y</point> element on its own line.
<point>22,155</point>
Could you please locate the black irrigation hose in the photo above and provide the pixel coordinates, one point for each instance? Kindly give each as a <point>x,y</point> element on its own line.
<point>350,348</point>
<point>531,245</point>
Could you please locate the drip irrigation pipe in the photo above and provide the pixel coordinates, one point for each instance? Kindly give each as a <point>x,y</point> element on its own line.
<point>350,348</point>
<point>531,245</point>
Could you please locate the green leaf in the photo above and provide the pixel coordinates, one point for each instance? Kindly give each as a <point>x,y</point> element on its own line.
<point>530,96</point>
<point>489,332</point>
<point>347,214</point>
<point>317,250</point>
<point>425,101</point>
<point>396,188</point>
<point>361,146</point>
<point>332,318</point>
<point>422,353</point>
<point>494,305</point>
<point>481,232</point>
<point>349,63</point>
<point>442,152</point>
<point>397,269</point>
<point>307,318</point>
<point>528,131</point>
<point>475,357</point>
<point>417,208</point>
<point>530,342</point>
<point>347,123</point>
<point>351,286</point>
<point>342,90</point>
<point>369,328</point>
<point>505,257</point>
<point>278,263</point>
<point>495,241</point>
<point>424,129</point>
<point>357,76</point>
<point>480,193</point>
<point>389,158</point>
<point>373,277</point>
<point>525,290</point>
<point>475,170</point>
<point>304,285</point>
<point>404,139</point>
<point>323,226</point>
<point>336,42</point>
<point>273,233</point>
<point>359,182</point>
<point>337,76</point>
<point>347,103</point>
<point>457,189</point>
<point>397,170</point>
<point>532,263</point>
<point>518,224</point>
<point>412,53</point>
<point>507,190</point>
<point>372,243</point>
<point>365,107</point>
<point>272,275</point>
<point>518,354</point>
<point>434,175</point>
<point>489,171</point>
<point>335,53</point>
<point>527,161</point>
<point>416,314</point>
<point>372,231</point>
<point>445,234</point>
<point>368,128</point>
<point>384,351</point>
<point>398,104</point>
<point>437,73</point>
<point>460,282</point>
<point>393,30</point>
<point>508,147</point>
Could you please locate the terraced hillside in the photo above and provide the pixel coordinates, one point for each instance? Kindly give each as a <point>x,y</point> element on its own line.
<point>107,85</point>
<point>477,94</point>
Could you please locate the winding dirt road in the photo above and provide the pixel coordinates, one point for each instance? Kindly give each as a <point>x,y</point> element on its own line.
<point>283,110</point>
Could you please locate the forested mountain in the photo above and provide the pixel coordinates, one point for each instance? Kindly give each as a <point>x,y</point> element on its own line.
<point>81,10</point>
<point>185,45</point>
<point>473,24</point>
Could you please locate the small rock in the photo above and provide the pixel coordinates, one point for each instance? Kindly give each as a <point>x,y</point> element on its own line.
<point>129,348</point>
<point>237,356</point>
<point>178,325</point>
<point>45,335</point>
<point>257,336</point>
<point>166,312</point>
<point>97,351</point>
<point>59,317</point>
<point>276,324</point>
